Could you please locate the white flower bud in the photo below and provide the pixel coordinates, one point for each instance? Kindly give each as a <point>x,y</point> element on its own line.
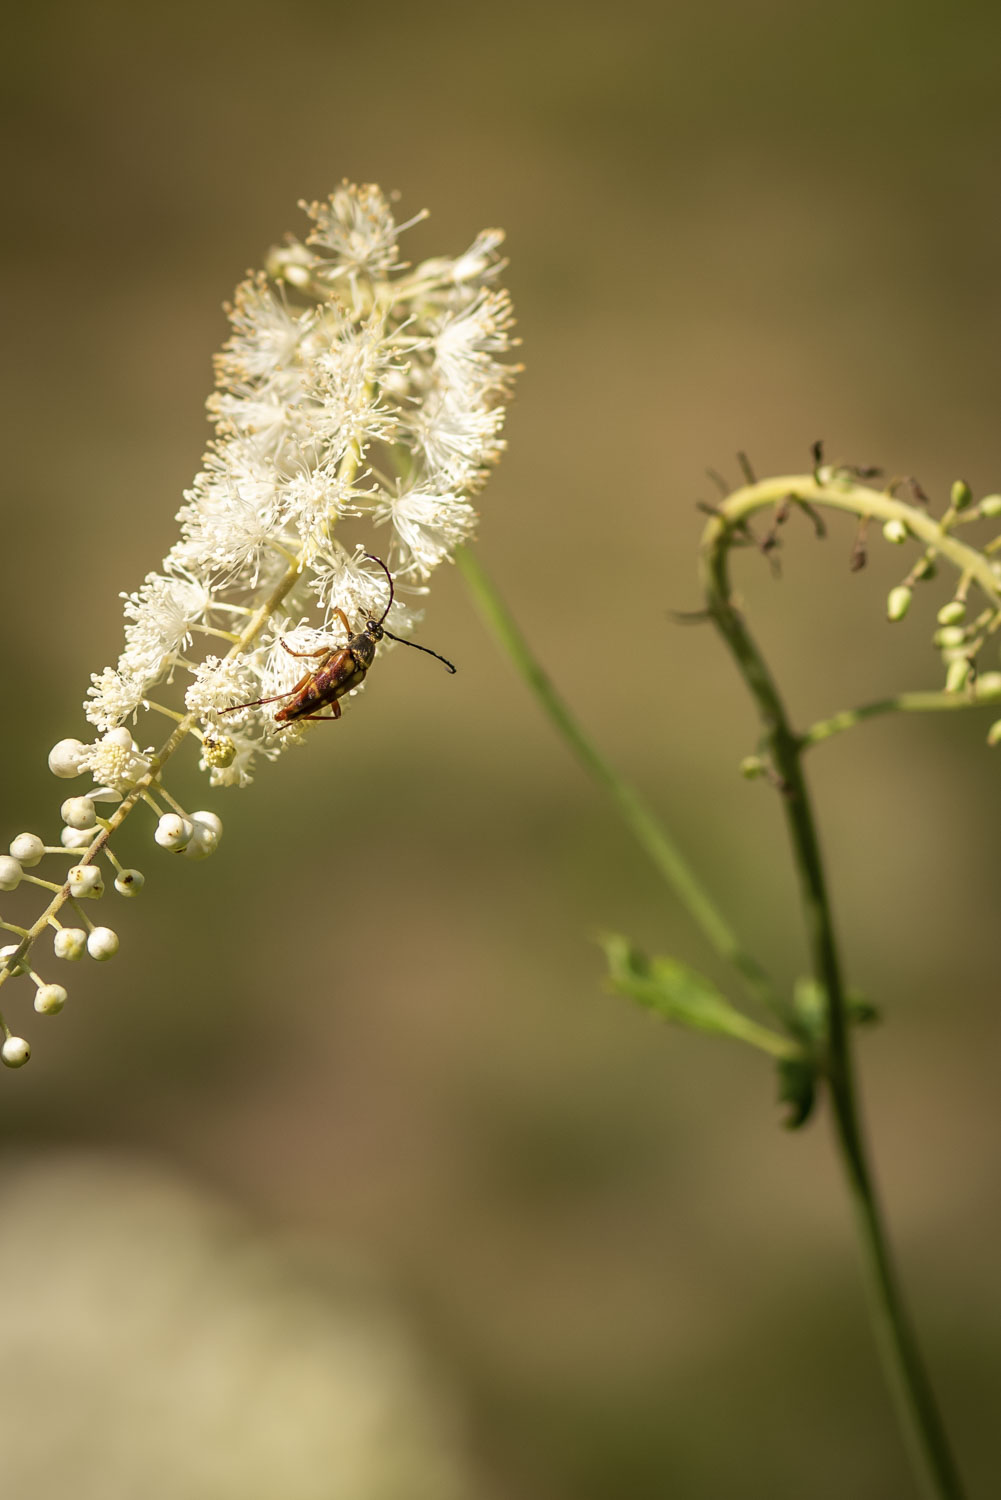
<point>15,1052</point>
<point>990,505</point>
<point>949,637</point>
<point>206,833</point>
<point>19,968</point>
<point>64,758</point>
<point>122,737</point>
<point>988,685</point>
<point>28,848</point>
<point>895,531</point>
<point>173,832</point>
<point>994,733</point>
<point>961,495</point>
<point>209,820</point>
<point>70,943</point>
<point>76,838</point>
<point>952,613</point>
<point>86,880</point>
<point>78,812</point>
<point>102,943</point>
<point>49,999</point>
<point>10,873</point>
<point>898,602</point>
<point>129,882</point>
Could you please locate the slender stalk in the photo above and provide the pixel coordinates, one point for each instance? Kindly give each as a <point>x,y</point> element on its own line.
<point>914,1400</point>
<point>639,818</point>
<point>906,703</point>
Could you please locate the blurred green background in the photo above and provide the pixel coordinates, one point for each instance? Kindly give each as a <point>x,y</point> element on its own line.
<point>371,1032</point>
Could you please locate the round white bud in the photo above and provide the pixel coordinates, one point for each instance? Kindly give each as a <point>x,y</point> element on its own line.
<point>49,999</point>
<point>994,733</point>
<point>120,736</point>
<point>988,685</point>
<point>76,838</point>
<point>102,943</point>
<point>86,880</point>
<point>10,873</point>
<point>78,812</point>
<point>205,836</point>
<point>895,531</point>
<point>28,848</point>
<point>15,1052</point>
<point>64,758</point>
<point>990,505</point>
<point>952,613</point>
<point>129,882</point>
<point>948,637</point>
<point>70,943</point>
<point>173,831</point>
<point>18,968</point>
<point>209,820</point>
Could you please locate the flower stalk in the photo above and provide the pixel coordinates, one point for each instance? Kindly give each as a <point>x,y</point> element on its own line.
<point>358,409</point>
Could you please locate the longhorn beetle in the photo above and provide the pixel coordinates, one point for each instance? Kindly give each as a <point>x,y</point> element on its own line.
<point>341,668</point>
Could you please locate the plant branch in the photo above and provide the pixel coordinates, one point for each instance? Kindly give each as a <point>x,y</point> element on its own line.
<point>913,1397</point>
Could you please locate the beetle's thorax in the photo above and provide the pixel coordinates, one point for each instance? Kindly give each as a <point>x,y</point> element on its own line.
<point>362,647</point>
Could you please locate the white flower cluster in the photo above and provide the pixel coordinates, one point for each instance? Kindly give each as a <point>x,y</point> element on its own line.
<point>355,394</point>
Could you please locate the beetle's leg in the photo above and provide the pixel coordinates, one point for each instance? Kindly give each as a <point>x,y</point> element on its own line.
<point>323,651</point>
<point>330,718</point>
<point>259,701</point>
<point>344,621</point>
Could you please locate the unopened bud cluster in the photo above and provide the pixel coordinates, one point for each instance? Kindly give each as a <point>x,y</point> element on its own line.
<point>355,394</point>
<point>960,634</point>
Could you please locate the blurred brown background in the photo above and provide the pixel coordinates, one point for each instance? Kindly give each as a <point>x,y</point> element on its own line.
<point>372,1029</point>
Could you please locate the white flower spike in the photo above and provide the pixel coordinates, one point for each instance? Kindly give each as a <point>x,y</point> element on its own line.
<point>354,392</point>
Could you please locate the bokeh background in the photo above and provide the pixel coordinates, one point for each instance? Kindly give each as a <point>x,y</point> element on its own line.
<point>348,1162</point>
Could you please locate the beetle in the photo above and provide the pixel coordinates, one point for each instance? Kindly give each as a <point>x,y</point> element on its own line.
<point>340,669</point>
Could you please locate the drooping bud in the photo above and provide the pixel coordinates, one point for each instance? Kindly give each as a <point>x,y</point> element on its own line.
<point>949,637</point>
<point>961,495</point>
<point>958,674</point>
<point>15,1052</point>
<point>751,767</point>
<point>173,832</point>
<point>990,505</point>
<point>50,999</point>
<point>64,759</point>
<point>10,873</point>
<point>129,882</point>
<point>28,849</point>
<point>898,602</point>
<point>102,943</point>
<point>86,880</point>
<point>895,531</point>
<point>952,613</point>
<point>78,812</point>
<point>70,943</point>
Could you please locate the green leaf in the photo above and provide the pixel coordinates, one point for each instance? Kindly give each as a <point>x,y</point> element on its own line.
<point>681,994</point>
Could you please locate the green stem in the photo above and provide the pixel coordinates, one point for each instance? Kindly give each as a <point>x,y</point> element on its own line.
<point>639,818</point>
<point>911,1390</point>
<point>907,703</point>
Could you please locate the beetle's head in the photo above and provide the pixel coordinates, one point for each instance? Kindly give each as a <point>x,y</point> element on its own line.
<point>374,629</point>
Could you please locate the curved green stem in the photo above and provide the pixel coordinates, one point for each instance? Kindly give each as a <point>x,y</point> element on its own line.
<point>640,819</point>
<point>913,1397</point>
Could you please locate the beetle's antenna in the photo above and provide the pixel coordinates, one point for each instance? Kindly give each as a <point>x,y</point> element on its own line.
<point>402,642</point>
<point>372,558</point>
<point>392,592</point>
